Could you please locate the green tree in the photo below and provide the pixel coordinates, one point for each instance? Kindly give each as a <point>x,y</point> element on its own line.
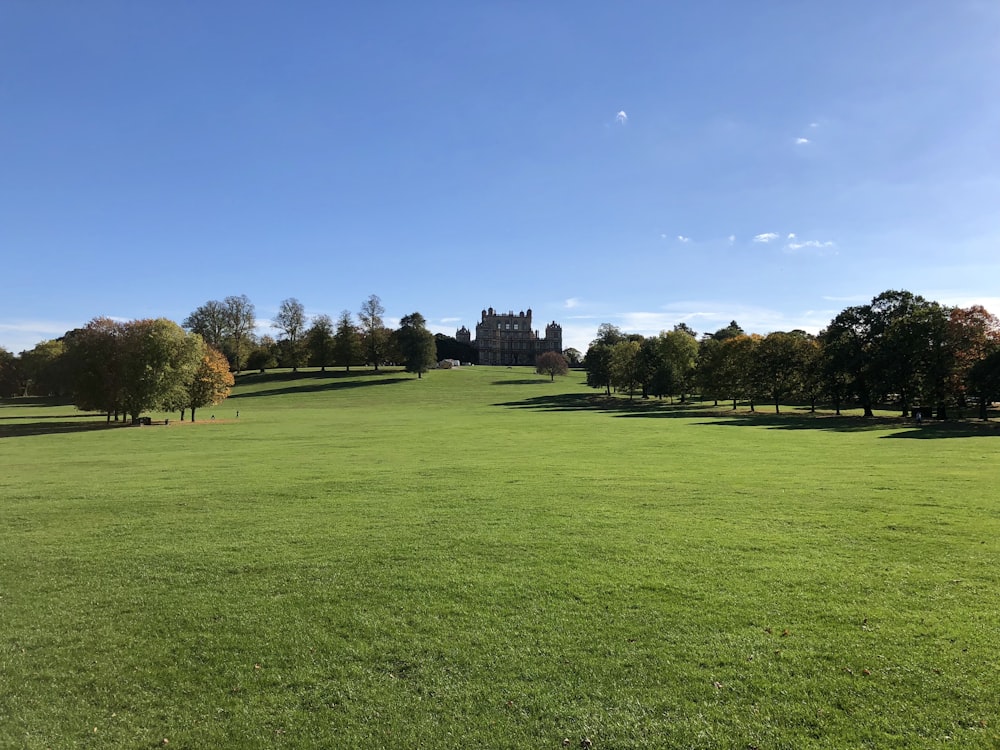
<point>680,352</point>
<point>158,360</point>
<point>291,321</point>
<point>373,331</point>
<point>96,359</point>
<point>780,362</point>
<point>45,369</point>
<point>737,375</point>
<point>573,357</point>
<point>346,342</point>
<point>551,364</point>
<point>319,341</point>
<point>416,344</point>
<point>597,363</point>
<point>10,375</point>
<point>264,356</point>
<point>626,367</point>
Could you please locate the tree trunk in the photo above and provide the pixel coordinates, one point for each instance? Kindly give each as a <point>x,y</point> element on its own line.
<point>776,409</point>
<point>192,413</point>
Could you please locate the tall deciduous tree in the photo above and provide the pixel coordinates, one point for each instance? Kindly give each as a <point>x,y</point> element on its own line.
<point>416,344</point>
<point>597,363</point>
<point>96,359</point>
<point>211,381</point>
<point>625,366</point>
<point>346,341</point>
<point>551,364</point>
<point>158,360</point>
<point>291,320</point>
<point>10,378</point>
<point>211,321</point>
<point>319,341</point>
<point>373,330</point>
<point>240,323</point>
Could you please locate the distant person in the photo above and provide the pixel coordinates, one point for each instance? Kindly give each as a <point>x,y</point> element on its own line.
<point>919,416</point>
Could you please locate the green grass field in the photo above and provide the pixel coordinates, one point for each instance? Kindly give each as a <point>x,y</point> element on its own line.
<point>483,558</point>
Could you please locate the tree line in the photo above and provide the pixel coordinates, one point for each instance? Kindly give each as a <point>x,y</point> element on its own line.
<point>899,349</point>
<point>128,368</point>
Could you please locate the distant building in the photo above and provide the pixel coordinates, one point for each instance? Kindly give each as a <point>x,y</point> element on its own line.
<point>508,338</point>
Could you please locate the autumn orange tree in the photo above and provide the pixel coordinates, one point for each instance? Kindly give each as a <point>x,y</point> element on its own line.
<point>211,382</point>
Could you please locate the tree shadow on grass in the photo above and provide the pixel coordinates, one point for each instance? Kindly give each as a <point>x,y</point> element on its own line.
<point>521,381</point>
<point>81,415</point>
<point>27,429</point>
<point>791,419</point>
<point>315,382</point>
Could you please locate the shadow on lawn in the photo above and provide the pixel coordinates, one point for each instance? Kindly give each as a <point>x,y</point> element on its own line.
<point>28,429</point>
<point>313,382</point>
<point>520,381</point>
<point>719,416</point>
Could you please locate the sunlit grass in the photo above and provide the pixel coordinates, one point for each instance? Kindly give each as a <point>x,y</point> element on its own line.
<point>485,558</point>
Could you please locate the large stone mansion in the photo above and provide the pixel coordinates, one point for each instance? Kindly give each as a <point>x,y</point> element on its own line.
<point>508,338</point>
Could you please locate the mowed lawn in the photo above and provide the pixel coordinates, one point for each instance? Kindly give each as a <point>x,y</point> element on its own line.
<point>483,558</point>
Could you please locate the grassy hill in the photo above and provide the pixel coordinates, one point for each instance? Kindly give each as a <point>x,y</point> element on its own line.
<point>483,558</point>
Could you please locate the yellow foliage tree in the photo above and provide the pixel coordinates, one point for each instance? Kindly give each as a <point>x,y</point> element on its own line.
<point>212,381</point>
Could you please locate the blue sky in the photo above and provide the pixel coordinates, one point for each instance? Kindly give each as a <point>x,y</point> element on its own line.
<point>775,163</point>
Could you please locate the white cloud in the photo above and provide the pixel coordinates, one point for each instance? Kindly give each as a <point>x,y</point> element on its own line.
<point>571,303</point>
<point>766,237</point>
<point>801,141</point>
<point>451,320</point>
<point>621,117</point>
<point>820,247</point>
<point>791,235</point>
<point>732,239</point>
<point>682,238</point>
<point>663,236</point>
<point>814,124</point>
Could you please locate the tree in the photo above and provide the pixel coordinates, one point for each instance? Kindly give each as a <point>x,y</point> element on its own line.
<point>44,369</point>
<point>551,364</point>
<point>708,371</point>
<point>210,382</point>
<point>625,366</point>
<point>96,359</point>
<point>448,347</point>
<point>346,341</point>
<point>416,344</point>
<point>264,355</point>
<point>573,357</point>
<point>680,353</point>
<point>974,333</point>
<point>730,331</point>
<point>319,342</point>
<point>597,363</point>
<point>10,374</point>
<point>737,368</point>
<point>158,359</point>
<point>373,330</point>
<point>779,366</point>
<point>984,378</point>
<point>291,320</point>
<point>211,321</point>
<point>240,320</point>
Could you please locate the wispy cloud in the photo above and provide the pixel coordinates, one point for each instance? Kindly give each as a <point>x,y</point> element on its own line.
<point>814,245</point>
<point>572,302</point>
<point>766,237</point>
<point>451,320</point>
<point>621,117</point>
<point>682,238</point>
<point>732,239</point>
<point>801,141</point>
